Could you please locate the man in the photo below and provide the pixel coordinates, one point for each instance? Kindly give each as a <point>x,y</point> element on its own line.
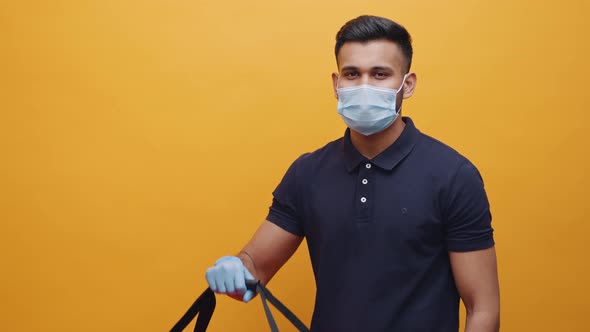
<point>397,223</point>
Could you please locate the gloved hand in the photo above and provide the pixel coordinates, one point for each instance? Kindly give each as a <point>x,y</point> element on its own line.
<point>229,276</point>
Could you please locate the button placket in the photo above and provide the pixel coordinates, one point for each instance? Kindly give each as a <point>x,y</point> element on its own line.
<point>363,197</point>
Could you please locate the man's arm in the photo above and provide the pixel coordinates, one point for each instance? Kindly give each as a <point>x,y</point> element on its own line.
<point>270,247</point>
<point>476,277</point>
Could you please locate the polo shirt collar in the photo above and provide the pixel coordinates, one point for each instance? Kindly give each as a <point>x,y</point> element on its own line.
<point>391,156</point>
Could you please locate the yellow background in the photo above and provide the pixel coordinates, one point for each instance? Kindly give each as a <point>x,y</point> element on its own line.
<point>141,140</point>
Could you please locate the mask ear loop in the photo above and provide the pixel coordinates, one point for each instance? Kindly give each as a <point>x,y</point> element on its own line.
<point>337,86</point>
<point>398,90</point>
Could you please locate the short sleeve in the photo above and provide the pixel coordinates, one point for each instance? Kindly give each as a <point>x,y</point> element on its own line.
<point>285,210</point>
<point>468,217</point>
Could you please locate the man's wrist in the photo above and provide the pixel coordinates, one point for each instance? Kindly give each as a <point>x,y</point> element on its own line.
<point>248,262</point>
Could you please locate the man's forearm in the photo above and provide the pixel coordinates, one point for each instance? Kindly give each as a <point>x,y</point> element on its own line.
<point>482,321</point>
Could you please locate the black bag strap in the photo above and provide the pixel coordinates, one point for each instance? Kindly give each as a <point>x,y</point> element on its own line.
<point>266,295</point>
<point>205,305</point>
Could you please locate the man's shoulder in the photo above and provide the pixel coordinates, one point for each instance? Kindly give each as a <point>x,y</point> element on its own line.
<point>327,151</point>
<point>321,156</point>
<point>438,153</point>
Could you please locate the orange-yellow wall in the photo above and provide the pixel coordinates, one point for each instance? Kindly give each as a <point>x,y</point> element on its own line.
<point>141,140</point>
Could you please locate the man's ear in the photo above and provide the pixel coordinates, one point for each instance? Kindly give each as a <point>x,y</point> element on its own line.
<point>335,77</point>
<point>409,85</point>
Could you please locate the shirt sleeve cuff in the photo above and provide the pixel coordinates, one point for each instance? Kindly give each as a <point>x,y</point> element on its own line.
<point>473,245</point>
<point>287,225</point>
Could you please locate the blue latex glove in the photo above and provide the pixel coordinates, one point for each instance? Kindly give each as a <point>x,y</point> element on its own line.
<point>228,276</point>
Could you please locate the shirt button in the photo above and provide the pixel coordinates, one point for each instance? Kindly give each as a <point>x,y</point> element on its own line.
<point>363,199</point>
<point>365,181</point>
<point>368,165</point>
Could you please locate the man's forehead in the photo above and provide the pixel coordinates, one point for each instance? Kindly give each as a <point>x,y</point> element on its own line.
<point>374,53</point>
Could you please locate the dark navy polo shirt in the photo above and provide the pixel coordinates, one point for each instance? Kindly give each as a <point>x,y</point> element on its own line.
<point>379,231</point>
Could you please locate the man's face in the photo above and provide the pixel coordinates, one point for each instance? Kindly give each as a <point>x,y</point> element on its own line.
<point>378,62</point>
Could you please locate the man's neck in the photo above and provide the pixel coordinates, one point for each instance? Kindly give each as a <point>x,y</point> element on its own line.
<point>372,145</point>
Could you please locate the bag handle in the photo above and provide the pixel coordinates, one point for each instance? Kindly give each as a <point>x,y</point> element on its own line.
<point>266,295</point>
<point>205,305</point>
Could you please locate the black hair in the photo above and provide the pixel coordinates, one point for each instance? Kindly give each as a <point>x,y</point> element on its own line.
<point>366,28</point>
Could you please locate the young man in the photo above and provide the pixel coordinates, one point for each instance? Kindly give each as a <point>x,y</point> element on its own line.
<point>397,223</point>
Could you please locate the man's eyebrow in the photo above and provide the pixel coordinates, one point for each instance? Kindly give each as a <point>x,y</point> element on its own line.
<point>349,68</point>
<point>382,68</point>
<point>387,68</point>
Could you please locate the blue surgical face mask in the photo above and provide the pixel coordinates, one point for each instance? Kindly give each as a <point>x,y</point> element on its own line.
<point>368,109</point>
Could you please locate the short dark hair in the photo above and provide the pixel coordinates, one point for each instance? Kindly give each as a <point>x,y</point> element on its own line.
<point>366,28</point>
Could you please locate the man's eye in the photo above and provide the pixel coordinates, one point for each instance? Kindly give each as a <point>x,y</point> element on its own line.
<point>350,74</point>
<point>381,75</point>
